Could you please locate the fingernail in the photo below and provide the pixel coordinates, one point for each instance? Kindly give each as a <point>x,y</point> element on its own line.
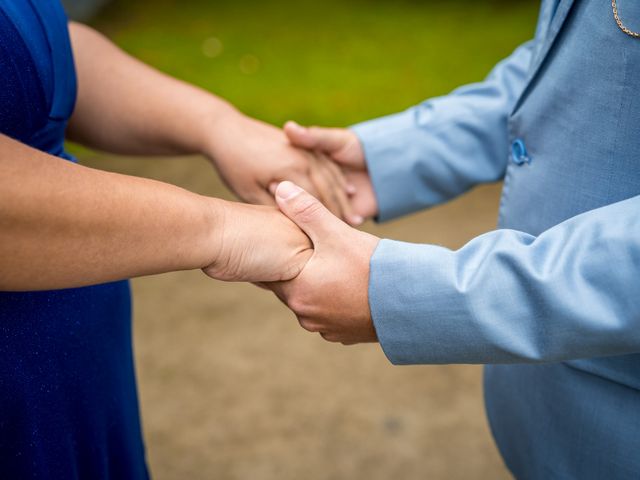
<point>357,220</point>
<point>296,126</point>
<point>287,190</point>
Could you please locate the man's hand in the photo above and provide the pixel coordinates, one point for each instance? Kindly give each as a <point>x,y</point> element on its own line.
<point>330,295</point>
<point>344,148</point>
<point>251,156</point>
<point>256,244</point>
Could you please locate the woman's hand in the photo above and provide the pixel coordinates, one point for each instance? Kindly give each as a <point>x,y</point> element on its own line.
<point>252,156</point>
<point>256,244</point>
<point>343,147</point>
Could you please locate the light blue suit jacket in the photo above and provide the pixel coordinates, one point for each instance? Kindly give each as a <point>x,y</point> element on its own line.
<point>554,294</point>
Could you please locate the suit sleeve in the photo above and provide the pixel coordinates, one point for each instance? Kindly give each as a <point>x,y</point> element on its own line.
<point>444,146</point>
<point>505,297</point>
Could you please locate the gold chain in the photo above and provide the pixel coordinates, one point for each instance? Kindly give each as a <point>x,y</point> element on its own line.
<point>614,5</point>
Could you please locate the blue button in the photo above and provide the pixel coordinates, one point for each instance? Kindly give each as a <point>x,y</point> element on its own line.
<point>519,152</point>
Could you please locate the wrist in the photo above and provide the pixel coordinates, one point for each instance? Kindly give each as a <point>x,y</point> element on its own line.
<point>210,225</point>
<point>222,119</point>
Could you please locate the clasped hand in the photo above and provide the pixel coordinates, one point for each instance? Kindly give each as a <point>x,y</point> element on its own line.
<point>330,294</point>
<point>314,262</point>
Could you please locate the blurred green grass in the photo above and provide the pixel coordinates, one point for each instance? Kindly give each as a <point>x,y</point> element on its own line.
<point>331,62</point>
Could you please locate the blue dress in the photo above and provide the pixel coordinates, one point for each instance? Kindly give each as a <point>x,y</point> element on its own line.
<point>68,403</point>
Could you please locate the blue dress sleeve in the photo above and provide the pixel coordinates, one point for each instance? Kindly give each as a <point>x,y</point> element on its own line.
<point>444,146</point>
<point>507,296</point>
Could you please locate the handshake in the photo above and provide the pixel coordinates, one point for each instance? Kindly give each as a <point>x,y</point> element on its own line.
<point>315,263</point>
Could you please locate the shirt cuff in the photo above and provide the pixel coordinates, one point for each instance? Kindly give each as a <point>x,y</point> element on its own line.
<point>395,151</point>
<point>376,138</point>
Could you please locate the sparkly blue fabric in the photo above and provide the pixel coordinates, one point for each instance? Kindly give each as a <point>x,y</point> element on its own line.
<point>68,403</point>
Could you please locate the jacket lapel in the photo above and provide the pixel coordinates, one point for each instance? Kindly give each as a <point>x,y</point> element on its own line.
<point>561,13</point>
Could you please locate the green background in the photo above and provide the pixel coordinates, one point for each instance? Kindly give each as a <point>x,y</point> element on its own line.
<point>329,62</point>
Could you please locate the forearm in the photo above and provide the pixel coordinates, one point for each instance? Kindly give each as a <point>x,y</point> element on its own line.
<point>127,107</point>
<point>63,225</point>
<point>509,297</point>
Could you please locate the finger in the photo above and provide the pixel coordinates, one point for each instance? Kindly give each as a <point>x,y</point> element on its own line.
<point>316,138</point>
<point>262,197</point>
<point>307,212</point>
<point>336,171</point>
<point>302,181</point>
<point>364,202</point>
<point>330,337</point>
<point>322,179</point>
<point>341,194</point>
<point>309,325</point>
<point>339,173</point>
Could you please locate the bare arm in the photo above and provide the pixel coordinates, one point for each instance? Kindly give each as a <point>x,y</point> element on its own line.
<point>124,106</point>
<point>64,225</point>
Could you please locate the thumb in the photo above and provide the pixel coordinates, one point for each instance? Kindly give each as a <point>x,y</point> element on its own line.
<point>307,212</point>
<point>329,140</point>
